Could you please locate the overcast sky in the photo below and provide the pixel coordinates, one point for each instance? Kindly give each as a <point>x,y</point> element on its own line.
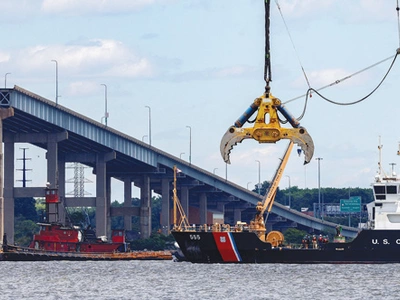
<point>200,63</point>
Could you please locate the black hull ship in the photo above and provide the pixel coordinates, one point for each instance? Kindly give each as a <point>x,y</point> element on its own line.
<point>370,246</point>
<point>377,242</point>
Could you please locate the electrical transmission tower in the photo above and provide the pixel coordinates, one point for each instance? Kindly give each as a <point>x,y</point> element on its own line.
<point>24,169</point>
<point>78,180</point>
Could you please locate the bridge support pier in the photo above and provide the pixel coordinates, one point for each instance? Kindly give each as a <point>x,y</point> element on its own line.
<point>203,208</point>
<point>165,206</point>
<point>53,173</point>
<point>145,208</point>
<point>185,200</point>
<point>127,203</point>
<point>61,191</point>
<point>8,201</point>
<point>237,215</point>
<point>221,209</point>
<point>102,203</point>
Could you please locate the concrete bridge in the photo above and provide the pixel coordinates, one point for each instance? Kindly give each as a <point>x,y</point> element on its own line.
<point>68,136</point>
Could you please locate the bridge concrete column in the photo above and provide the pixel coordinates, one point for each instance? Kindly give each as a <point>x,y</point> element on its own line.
<point>108,205</point>
<point>61,191</point>
<point>165,206</point>
<point>127,202</point>
<point>8,201</point>
<point>237,215</point>
<point>53,173</point>
<point>221,209</point>
<point>5,204</point>
<point>185,200</point>
<point>52,161</point>
<point>145,208</point>
<point>101,196</point>
<point>203,208</point>
<point>103,193</point>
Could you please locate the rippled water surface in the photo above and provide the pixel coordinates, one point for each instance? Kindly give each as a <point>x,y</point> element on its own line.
<point>172,280</point>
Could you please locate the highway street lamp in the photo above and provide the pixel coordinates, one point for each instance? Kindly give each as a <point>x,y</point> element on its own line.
<point>105,101</point>
<point>289,190</point>
<point>149,123</point>
<point>259,172</point>
<point>180,155</point>
<point>56,80</point>
<point>190,144</point>
<point>5,80</point>
<point>319,186</point>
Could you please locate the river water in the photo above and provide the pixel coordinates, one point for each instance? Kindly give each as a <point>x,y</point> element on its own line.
<point>182,280</point>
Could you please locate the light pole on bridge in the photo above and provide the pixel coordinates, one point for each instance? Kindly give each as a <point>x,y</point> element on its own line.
<point>289,190</point>
<point>5,80</point>
<point>105,104</point>
<point>149,123</point>
<point>259,176</point>
<point>190,144</point>
<point>56,80</point>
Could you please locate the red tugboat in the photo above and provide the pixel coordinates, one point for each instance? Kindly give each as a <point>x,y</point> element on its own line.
<point>56,241</point>
<point>59,238</point>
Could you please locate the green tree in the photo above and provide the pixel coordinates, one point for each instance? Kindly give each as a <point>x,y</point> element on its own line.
<point>156,204</point>
<point>307,197</point>
<point>117,222</point>
<point>24,230</point>
<point>25,220</point>
<point>294,236</point>
<point>155,242</point>
<point>81,216</point>
<point>26,207</point>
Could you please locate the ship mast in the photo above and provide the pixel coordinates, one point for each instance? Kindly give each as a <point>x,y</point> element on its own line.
<point>380,159</point>
<point>183,220</point>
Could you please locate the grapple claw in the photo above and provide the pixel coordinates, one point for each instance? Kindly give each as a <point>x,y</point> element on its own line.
<point>235,135</point>
<point>232,137</point>
<point>301,137</point>
<point>270,132</point>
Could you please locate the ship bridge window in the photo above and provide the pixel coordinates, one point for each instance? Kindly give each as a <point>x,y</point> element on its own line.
<point>379,189</point>
<point>382,190</point>
<point>393,218</point>
<point>391,189</point>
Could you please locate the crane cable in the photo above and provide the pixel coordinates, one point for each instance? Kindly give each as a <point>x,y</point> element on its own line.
<point>310,89</point>
<point>341,80</point>
<point>267,61</point>
<point>344,78</point>
<point>398,20</point>
<point>294,47</point>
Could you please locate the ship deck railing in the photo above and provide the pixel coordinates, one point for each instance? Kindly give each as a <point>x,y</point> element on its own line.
<point>215,228</point>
